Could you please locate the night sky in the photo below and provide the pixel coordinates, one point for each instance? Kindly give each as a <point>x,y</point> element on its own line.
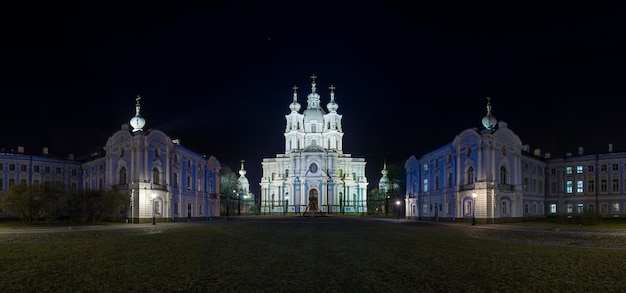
<point>219,78</point>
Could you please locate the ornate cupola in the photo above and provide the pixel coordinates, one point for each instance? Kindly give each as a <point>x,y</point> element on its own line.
<point>137,122</point>
<point>295,106</point>
<point>383,183</point>
<point>332,106</point>
<point>489,122</point>
<point>243,185</point>
<point>313,99</point>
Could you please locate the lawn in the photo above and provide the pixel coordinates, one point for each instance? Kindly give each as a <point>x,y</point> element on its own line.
<point>328,254</point>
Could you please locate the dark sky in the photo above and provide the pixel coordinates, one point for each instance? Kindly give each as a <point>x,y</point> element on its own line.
<point>408,77</point>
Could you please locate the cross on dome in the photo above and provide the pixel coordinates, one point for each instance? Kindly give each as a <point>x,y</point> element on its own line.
<point>137,122</point>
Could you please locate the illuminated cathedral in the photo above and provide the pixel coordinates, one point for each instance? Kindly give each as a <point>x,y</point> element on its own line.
<point>313,175</point>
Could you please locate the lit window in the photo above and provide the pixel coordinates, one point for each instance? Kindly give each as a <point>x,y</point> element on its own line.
<point>568,186</point>
<point>579,186</point>
<point>425,167</point>
<point>553,208</point>
<point>426,185</point>
<point>616,208</point>
<point>579,169</point>
<point>568,170</point>
<point>580,208</point>
<point>570,208</point>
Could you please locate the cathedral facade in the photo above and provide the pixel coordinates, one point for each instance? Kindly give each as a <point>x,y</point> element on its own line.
<point>313,174</point>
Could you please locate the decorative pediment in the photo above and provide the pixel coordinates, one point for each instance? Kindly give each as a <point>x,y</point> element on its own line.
<point>467,137</point>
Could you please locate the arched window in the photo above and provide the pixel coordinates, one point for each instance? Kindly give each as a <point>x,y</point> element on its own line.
<point>313,128</point>
<point>503,175</point>
<point>122,177</point>
<point>156,176</point>
<point>470,175</point>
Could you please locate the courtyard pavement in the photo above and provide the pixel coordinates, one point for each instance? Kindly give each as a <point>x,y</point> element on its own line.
<point>563,236</point>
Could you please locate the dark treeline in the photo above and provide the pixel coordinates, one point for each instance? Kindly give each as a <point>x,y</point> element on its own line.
<point>50,203</point>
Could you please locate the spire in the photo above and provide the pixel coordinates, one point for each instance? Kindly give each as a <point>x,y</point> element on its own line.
<point>242,172</point>
<point>489,122</point>
<point>383,183</point>
<point>242,185</point>
<point>384,171</point>
<point>332,106</point>
<point>137,122</point>
<point>313,77</point>
<point>313,99</point>
<point>295,106</point>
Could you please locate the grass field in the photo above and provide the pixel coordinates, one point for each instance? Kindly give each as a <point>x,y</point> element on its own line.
<point>303,255</point>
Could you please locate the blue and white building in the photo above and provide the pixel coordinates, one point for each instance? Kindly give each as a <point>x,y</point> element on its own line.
<point>163,179</point>
<point>491,176</point>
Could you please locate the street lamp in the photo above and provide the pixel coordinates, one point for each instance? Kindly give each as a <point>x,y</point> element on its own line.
<point>286,203</point>
<point>238,204</point>
<point>398,209</point>
<point>153,209</point>
<point>474,195</point>
<point>386,205</point>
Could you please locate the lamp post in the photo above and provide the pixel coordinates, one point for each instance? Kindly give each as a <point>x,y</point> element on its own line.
<point>153,209</point>
<point>474,195</point>
<point>386,205</point>
<point>286,203</point>
<point>398,209</point>
<point>238,204</point>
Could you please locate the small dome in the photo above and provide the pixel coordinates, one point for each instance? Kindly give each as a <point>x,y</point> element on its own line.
<point>295,106</point>
<point>332,106</point>
<point>489,122</point>
<point>137,123</point>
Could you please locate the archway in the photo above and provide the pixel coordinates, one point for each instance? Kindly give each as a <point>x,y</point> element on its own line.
<point>313,201</point>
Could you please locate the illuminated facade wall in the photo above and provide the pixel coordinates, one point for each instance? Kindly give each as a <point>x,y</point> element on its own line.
<point>18,167</point>
<point>586,184</point>
<point>313,166</point>
<point>510,181</point>
<point>492,165</point>
<point>163,179</point>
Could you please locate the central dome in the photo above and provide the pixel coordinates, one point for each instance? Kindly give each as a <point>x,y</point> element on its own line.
<point>316,114</point>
